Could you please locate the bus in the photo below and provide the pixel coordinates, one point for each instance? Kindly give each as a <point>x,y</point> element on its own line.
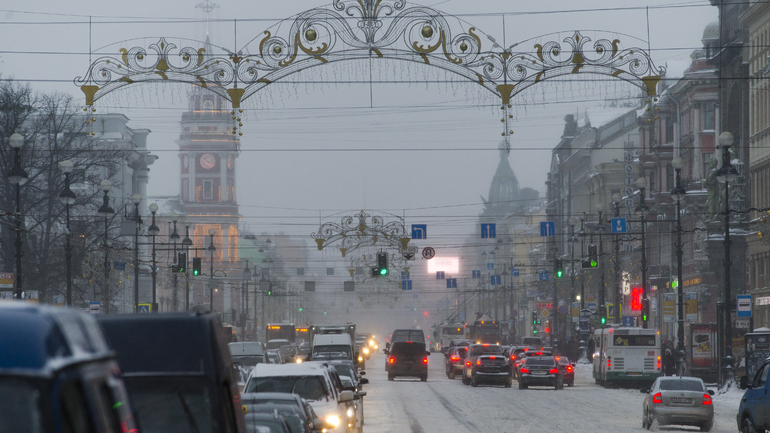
<point>280,331</point>
<point>447,333</point>
<point>303,333</point>
<point>486,331</point>
<point>626,355</point>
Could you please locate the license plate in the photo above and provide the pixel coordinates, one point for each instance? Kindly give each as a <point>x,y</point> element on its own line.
<point>635,374</point>
<point>539,372</point>
<point>681,400</point>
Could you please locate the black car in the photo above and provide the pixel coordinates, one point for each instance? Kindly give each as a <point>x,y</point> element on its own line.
<point>408,358</point>
<point>486,363</point>
<point>252,402</point>
<point>540,371</point>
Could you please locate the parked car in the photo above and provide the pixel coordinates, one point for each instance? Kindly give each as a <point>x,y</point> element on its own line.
<point>540,371</point>
<point>57,373</point>
<point>178,371</point>
<point>678,401</point>
<point>408,358</point>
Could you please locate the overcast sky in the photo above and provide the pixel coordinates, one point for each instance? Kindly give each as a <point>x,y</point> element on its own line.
<point>304,146</point>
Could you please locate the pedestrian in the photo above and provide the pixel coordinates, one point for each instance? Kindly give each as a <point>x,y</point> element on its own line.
<point>668,362</point>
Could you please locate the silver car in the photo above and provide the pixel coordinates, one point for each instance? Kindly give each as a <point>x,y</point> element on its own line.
<point>680,401</point>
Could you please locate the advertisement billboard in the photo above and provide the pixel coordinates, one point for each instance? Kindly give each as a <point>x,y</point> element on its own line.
<point>448,265</point>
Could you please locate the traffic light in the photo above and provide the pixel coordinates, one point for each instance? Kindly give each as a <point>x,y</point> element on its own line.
<point>181,263</point>
<point>196,266</point>
<point>645,309</point>
<point>558,268</point>
<point>603,314</point>
<point>382,263</point>
<point>534,318</point>
<point>593,256</point>
<point>547,326</point>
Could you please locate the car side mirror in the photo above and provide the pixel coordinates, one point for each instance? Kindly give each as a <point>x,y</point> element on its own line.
<point>346,396</point>
<point>711,392</point>
<point>386,351</point>
<point>362,373</point>
<point>744,384</point>
<point>364,381</point>
<point>361,394</point>
<point>427,353</point>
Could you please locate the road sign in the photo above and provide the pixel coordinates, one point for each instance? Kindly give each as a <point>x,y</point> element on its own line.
<point>487,231</point>
<point>515,272</point>
<point>543,275</point>
<point>612,311</point>
<point>119,266</point>
<point>95,308</point>
<point>742,322</point>
<point>405,275</point>
<point>490,266</point>
<point>545,312</point>
<point>428,253</point>
<point>514,313</point>
<point>406,284</point>
<point>744,305</point>
<point>144,308</point>
<point>628,321</point>
<point>548,228</point>
<point>618,225</point>
<point>562,309</point>
<point>495,280</point>
<point>419,231</point>
<point>440,275</point>
<point>451,283</point>
<point>6,281</point>
<point>476,274</point>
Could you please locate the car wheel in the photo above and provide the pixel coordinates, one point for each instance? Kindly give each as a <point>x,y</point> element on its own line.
<point>424,378</point>
<point>707,426</point>
<point>644,420</point>
<point>452,375</point>
<point>466,381</point>
<point>522,385</point>
<point>509,384</point>
<point>571,383</point>
<point>748,426</point>
<point>474,383</point>
<point>390,377</point>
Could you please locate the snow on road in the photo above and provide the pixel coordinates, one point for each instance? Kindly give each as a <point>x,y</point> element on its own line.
<point>443,405</point>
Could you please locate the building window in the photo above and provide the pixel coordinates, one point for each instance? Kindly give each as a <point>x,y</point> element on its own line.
<point>208,189</point>
<point>669,129</point>
<point>185,190</point>
<point>300,271</point>
<point>208,105</point>
<point>708,116</point>
<point>329,271</point>
<point>669,176</point>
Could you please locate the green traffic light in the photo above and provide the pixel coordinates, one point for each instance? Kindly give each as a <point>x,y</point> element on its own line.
<point>594,263</point>
<point>674,284</point>
<point>383,271</point>
<point>195,273</point>
<point>534,331</point>
<point>604,320</point>
<point>558,274</point>
<point>644,317</point>
<point>300,308</point>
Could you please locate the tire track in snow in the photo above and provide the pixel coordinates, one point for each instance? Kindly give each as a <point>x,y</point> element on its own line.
<point>453,410</point>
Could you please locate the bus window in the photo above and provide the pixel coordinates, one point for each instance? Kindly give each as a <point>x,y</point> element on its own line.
<point>633,340</point>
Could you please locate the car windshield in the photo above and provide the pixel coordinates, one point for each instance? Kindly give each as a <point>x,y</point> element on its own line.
<point>483,350</point>
<point>681,385</point>
<point>307,387</point>
<point>249,361</point>
<point>276,344</point>
<point>538,362</point>
<point>345,370</point>
<point>339,351</point>
<point>347,382</point>
<point>266,426</point>
<point>164,404</point>
<point>563,360</point>
<point>20,413</point>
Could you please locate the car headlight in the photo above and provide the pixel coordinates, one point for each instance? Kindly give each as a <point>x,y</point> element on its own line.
<point>350,412</point>
<point>366,350</point>
<point>360,358</point>
<point>376,347</point>
<point>298,360</point>
<point>333,420</point>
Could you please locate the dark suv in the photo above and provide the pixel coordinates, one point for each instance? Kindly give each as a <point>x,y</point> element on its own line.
<point>540,371</point>
<point>486,363</point>
<point>408,358</point>
<point>454,361</point>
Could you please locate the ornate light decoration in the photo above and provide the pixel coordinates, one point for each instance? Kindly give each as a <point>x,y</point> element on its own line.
<point>379,29</point>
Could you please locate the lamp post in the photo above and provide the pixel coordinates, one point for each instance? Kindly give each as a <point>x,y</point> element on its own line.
<point>677,193</point>
<point>187,243</point>
<point>17,176</point>
<point>153,231</point>
<point>572,272</point>
<point>174,236</point>
<point>641,183</point>
<point>582,234</point>
<point>726,174</point>
<point>617,299</point>
<point>68,198</point>
<point>106,211</point>
<point>599,229</point>
<point>136,198</point>
<point>254,275</point>
<point>211,249</point>
<point>245,304</point>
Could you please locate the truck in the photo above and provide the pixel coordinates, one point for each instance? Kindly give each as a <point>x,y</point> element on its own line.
<point>343,328</point>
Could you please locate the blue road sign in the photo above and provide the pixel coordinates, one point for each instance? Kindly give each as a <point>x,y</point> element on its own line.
<point>514,313</point>
<point>487,231</point>
<point>562,309</point>
<point>490,266</point>
<point>495,280</point>
<point>440,275</point>
<point>451,283</point>
<point>406,285</point>
<point>611,311</point>
<point>628,321</point>
<point>744,306</point>
<point>119,266</point>
<point>405,275</point>
<point>548,228</point>
<point>419,231</point>
<point>543,275</point>
<point>618,225</point>
<point>515,272</point>
<point>143,308</point>
<point>476,274</point>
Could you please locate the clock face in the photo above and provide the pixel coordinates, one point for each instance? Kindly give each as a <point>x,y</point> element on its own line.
<point>230,162</point>
<point>208,161</point>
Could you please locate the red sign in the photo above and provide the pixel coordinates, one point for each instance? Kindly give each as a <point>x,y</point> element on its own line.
<point>545,305</point>
<point>636,298</point>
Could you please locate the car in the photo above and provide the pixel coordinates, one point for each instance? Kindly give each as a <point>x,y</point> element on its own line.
<point>568,370</point>
<point>310,419</point>
<point>352,380</point>
<point>245,356</point>
<point>277,343</point>
<point>454,360</point>
<point>486,363</point>
<point>312,381</point>
<point>273,356</point>
<point>540,370</point>
<point>289,353</point>
<point>408,358</point>
<point>678,400</point>
<point>526,353</point>
<point>57,373</point>
<point>752,409</point>
<point>268,423</point>
<point>532,342</point>
<point>177,369</point>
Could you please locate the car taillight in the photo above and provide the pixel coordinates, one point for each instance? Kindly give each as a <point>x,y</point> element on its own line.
<point>492,357</point>
<point>455,358</point>
<point>467,363</point>
<point>524,370</point>
<point>706,399</point>
<point>478,362</point>
<point>657,398</point>
<point>609,363</point>
<point>513,358</point>
<point>569,368</point>
<point>392,360</point>
<point>553,371</point>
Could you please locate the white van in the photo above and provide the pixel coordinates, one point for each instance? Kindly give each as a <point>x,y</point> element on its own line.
<point>331,346</point>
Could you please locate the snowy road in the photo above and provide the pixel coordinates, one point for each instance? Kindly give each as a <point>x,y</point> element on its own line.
<point>442,405</point>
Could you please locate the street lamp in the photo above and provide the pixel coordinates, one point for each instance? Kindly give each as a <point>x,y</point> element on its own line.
<point>211,249</point>
<point>726,174</point>
<point>678,192</point>
<point>136,198</point>
<point>187,243</point>
<point>174,236</point>
<point>68,198</point>
<point>106,211</point>
<point>617,299</point>
<point>245,304</point>
<point>17,176</point>
<point>153,231</point>
<point>641,183</point>
<point>599,229</point>
<point>582,234</point>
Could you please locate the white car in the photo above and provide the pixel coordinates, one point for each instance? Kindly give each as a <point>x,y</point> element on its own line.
<point>311,381</point>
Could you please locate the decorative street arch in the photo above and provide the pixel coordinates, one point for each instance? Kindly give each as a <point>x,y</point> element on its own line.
<point>370,29</point>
